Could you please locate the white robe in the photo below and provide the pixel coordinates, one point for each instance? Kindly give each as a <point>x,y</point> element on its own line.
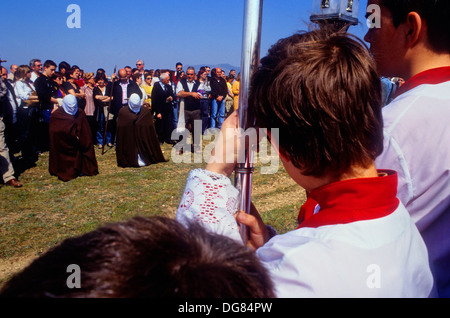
<point>384,257</point>
<point>417,146</point>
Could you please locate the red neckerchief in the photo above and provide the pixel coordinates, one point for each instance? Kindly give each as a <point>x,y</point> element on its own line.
<point>433,76</point>
<point>350,201</point>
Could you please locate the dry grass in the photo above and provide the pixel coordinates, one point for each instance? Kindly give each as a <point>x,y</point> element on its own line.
<point>46,211</point>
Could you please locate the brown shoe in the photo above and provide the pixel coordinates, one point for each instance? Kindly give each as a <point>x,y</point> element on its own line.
<point>14,183</point>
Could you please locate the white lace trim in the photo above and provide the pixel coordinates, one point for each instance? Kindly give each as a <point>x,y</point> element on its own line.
<point>210,199</point>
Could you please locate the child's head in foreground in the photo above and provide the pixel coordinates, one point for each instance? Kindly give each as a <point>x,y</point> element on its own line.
<point>145,257</point>
<point>322,91</point>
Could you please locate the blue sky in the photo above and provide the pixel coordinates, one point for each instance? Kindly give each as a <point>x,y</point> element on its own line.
<point>112,32</point>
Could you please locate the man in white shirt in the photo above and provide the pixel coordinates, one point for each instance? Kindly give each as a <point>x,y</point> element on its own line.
<point>413,43</point>
<point>36,67</point>
<point>140,65</point>
<point>187,89</point>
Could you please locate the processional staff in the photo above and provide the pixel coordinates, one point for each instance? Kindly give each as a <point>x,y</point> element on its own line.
<point>339,14</point>
<point>251,43</point>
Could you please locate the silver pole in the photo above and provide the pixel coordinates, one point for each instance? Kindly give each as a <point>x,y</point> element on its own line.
<point>251,44</point>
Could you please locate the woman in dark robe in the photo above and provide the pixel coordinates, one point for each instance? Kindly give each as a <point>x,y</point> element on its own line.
<point>72,151</point>
<point>137,144</point>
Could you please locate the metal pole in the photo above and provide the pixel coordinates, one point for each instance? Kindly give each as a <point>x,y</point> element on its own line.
<point>251,43</point>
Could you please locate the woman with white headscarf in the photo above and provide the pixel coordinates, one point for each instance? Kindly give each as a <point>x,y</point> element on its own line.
<point>137,144</point>
<point>72,151</point>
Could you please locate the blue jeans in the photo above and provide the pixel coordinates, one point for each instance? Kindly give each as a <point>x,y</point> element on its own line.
<point>175,109</point>
<point>217,108</point>
<point>100,130</point>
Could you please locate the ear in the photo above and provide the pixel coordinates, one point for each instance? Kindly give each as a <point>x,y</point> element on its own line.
<point>414,29</point>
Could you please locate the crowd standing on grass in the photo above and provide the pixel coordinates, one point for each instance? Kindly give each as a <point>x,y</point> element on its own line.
<point>35,91</point>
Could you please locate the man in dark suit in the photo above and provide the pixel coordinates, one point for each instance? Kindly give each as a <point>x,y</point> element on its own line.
<point>162,104</point>
<point>6,168</point>
<point>123,89</point>
<point>10,107</point>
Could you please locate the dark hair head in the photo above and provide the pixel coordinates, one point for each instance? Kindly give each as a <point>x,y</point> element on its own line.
<point>146,257</point>
<point>49,63</point>
<point>200,73</point>
<point>56,75</point>
<point>70,72</point>
<point>100,76</point>
<point>135,76</point>
<point>434,12</point>
<point>322,91</point>
<point>64,65</point>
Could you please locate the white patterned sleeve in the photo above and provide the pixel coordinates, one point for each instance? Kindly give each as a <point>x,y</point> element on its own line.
<point>211,200</point>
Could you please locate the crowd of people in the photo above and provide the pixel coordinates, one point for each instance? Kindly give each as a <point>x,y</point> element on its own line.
<point>377,214</point>
<point>36,91</point>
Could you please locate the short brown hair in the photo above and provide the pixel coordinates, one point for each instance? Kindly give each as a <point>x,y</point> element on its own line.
<point>146,257</point>
<point>322,91</point>
<point>135,76</point>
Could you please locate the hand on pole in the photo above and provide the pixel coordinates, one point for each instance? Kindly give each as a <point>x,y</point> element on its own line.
<point>257,231</point>
<point>228,147</point>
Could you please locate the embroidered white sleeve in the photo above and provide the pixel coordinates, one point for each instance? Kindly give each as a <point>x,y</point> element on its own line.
<point>211,200</point>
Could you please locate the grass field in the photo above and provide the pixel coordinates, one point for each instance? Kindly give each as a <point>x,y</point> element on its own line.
<point>46,210</point>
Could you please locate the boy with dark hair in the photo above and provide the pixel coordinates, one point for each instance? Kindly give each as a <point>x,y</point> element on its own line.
<point>354,239</point>
<point>414,44</point>
<point>45,89</point>
<point>145,257</point>
<point>433,13</point>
